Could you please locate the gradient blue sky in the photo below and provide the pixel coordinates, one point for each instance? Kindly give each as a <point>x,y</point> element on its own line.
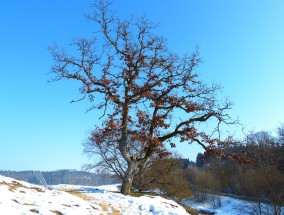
<point>241,42</point>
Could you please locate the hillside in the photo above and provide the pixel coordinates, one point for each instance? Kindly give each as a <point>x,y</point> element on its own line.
<point>62,177</point>
<point>18,197</point>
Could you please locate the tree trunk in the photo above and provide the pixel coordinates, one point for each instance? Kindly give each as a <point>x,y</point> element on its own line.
<point>140,179</point>
<point>128,178</point>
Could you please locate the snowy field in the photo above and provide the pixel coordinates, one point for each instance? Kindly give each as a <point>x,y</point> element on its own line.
<point>17,197</point>
<point>229,206</point>
<point>232,206</point>
<point>21,198</point>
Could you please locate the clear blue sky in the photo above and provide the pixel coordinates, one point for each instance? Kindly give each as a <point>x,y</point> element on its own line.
<point>241,42</point>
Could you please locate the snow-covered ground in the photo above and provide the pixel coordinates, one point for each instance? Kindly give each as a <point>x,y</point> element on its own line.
<point>233,206</point>
<point>21,198</point>
<point>18,197</point>
<point>229,206</point>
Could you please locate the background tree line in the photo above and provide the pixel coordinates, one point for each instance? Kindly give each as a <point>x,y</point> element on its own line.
<point>262,182</point>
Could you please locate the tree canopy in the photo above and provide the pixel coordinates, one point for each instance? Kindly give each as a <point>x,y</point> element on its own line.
<point>149,96</point>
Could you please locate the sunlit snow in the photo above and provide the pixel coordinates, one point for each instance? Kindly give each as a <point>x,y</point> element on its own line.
<point>22,198</point>
<point>17,197</point>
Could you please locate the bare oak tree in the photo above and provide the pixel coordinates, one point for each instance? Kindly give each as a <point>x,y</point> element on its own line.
<point>148,95</point>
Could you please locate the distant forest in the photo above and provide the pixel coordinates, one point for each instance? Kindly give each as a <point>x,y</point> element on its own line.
<point>63,177</point>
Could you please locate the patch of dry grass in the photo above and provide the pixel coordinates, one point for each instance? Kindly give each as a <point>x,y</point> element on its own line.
<point>77,193</point>
<point>57,212</point>
<point>105,208</point>
<point>15,185</point>
<point>112,211</point>
<point>34,211</point>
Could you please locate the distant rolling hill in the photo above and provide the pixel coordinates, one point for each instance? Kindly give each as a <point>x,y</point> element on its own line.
<point>62,177</point>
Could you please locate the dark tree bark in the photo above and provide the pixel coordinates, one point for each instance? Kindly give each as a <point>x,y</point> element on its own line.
<point>128,178</point>
<point>148,95</point>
